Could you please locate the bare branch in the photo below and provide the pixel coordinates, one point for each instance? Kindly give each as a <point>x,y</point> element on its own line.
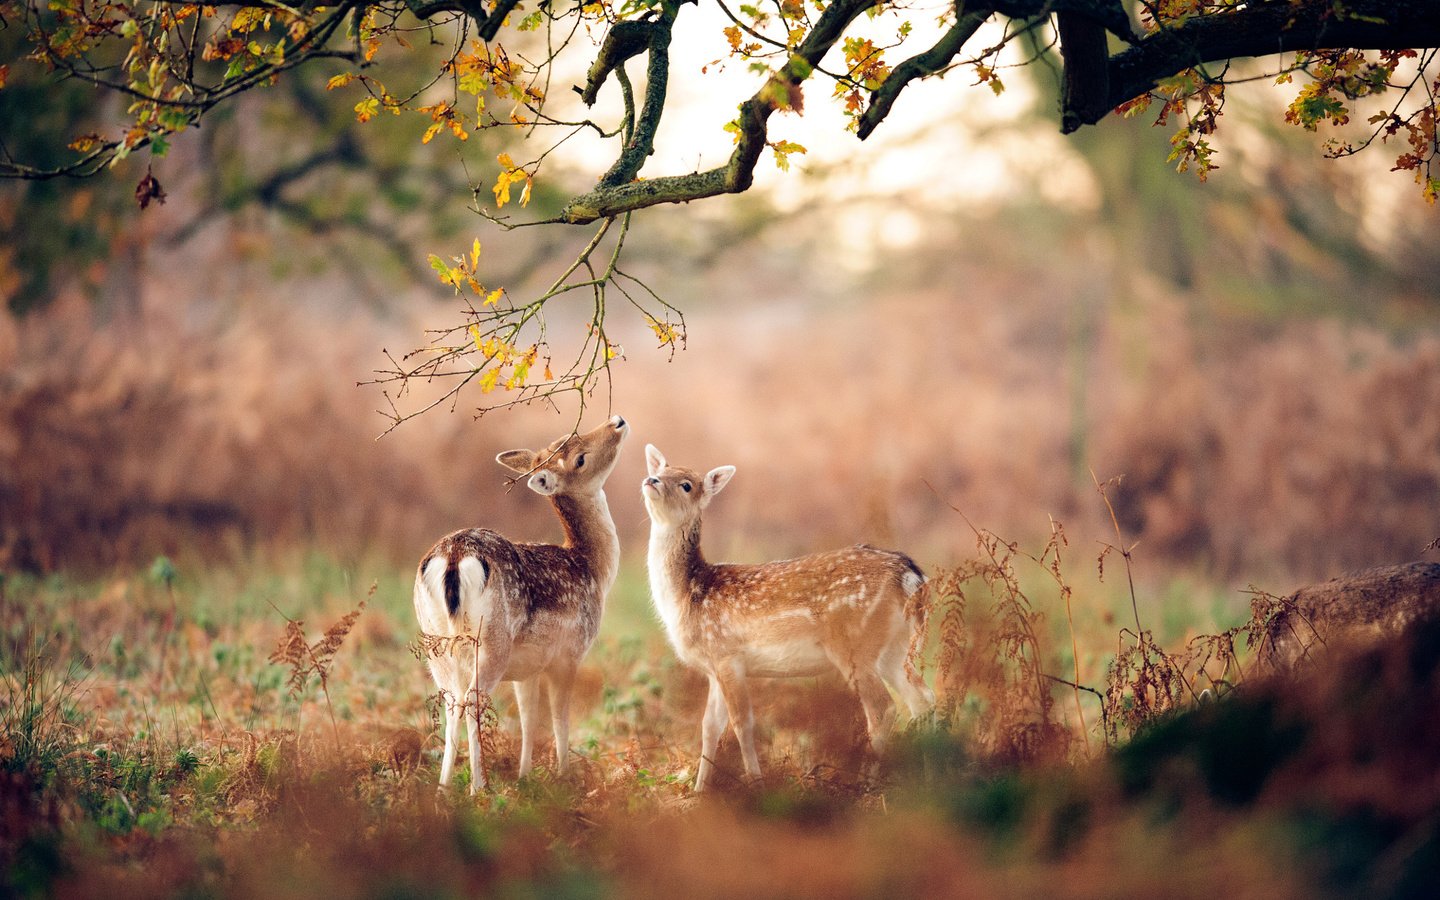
<point>624,40</point>
<point>641,143</point>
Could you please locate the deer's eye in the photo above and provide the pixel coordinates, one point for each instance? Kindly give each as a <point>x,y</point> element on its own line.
<point>685,486</point>
<point>580,461</point>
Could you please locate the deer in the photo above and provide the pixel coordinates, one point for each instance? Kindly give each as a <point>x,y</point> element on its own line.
<point>857,610</point>
<point>494,610</point>
<point>1368,606</point>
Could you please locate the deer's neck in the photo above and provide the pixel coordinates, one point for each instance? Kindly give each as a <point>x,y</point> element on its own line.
<point>676,569</point>
<point>590,534</point>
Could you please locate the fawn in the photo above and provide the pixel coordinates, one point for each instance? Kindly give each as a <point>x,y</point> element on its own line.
<point>532,610</point>
<point>855,610</point>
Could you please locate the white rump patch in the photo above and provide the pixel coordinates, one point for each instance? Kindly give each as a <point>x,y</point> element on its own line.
<point>910,582</point>
<point>475,601</point>
<point>434,578</point>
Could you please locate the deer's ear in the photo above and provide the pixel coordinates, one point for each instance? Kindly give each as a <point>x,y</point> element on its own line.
<point>544,482</point>
<point>715,481</point>
<point>520,461</point>
<point>654,459</point>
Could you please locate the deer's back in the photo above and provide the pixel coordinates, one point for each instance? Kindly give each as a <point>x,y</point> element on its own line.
<point>785,618</point>
<point>1369,604</point>
<point>535,586</point>
<point>821,582</point>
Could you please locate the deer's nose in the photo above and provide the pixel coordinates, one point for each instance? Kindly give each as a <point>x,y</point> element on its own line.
<point>652,481</point>
<point>618,422</point>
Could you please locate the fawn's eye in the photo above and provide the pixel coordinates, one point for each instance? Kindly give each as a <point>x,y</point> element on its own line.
<point>685,486</point>
<point>580,461</point>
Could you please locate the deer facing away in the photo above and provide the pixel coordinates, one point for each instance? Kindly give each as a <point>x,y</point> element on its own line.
<point>855,610</point>
<point>532,609</point>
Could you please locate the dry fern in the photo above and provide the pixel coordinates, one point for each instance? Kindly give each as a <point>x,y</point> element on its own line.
<point>305,659</point>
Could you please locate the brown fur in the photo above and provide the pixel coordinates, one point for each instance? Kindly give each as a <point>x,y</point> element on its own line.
<point>532,610</point>
<point>854,610</point>
<point>1362,606</point>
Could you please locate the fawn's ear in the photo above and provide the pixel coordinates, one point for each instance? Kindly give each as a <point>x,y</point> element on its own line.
<point>544,482</point>
<point>520,461</point>
<point>715,481</point>
<point>654,459</point>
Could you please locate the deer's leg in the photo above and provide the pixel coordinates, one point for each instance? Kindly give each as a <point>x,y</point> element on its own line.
<point>879,708</point>
<point>893,667</point>
<point>561,678</point>
<point>865,680</point>
<point>742,714</point>
<point>452,733</point>
<point>711,727</point>
<point>527,698</point>
<point>448,681</point>
<point>488,673</point>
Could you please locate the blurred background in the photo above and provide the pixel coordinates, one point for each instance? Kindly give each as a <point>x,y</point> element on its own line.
<point>966,311</point>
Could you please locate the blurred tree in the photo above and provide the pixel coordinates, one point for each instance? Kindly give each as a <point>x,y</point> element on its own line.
<point>173,64</point>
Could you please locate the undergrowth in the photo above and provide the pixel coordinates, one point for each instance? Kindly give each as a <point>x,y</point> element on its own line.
<point>151,749</point>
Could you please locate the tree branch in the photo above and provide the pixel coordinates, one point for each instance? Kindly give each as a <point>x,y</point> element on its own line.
<point>1262,29</point>
<point>1109,13</point>
<point>919,66</point>
<point>1086,91</point>
<point>736,175</point>
<point>487,24</point>
<point>641,143</point>
<point>624,40</point>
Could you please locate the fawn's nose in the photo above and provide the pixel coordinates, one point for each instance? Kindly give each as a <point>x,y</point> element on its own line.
<point>652,481</point>
<point>618,422</point>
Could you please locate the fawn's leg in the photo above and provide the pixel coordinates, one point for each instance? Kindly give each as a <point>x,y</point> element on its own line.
<point>711,727</point>
<point>742,714</point>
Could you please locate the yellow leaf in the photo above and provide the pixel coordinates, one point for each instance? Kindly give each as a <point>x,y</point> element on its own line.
<point>525,194</point>
<point>430,133</point>
<point>475,335</point>
<point>248,17</point>
<point>366,109</point>
<point>493,297</point>
<point>505,161</point>
<point>501,190</point>
<point>487,381</point>
<point>339,81</point>
<point>475,253</point>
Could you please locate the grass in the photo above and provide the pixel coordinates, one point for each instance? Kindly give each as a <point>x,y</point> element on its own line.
<point>151,742</point>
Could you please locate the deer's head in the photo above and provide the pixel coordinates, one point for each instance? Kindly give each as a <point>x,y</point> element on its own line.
<point>675,495</point>
<point>576,464</point>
